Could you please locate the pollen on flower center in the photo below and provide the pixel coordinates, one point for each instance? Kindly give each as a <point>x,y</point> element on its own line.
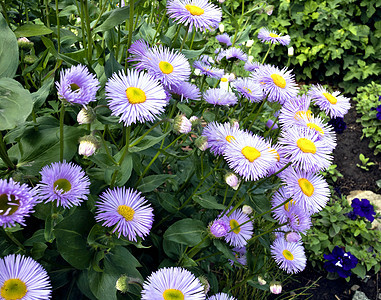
<point>194,10</point>
<point>13,289</point>
<point>8,204</point>
<point>273,151</point>
<point>299,114</point>
<point>165,67</point>
<point>74,87</point>
<point>173,294</point>
<point>331,99</point>
<point>62,184</point>
<point>230,138</point>
<point>316,127</point>
<point>306,145</point>
<point>289,204</point>
<point>248,90</point>
<point>306,186</point>
<point>126,212</point>
<point>278,80</point>
<point>224,79</point>
<point>273,35</point>
<point>233,224</point>
<point>288,255</point>
<point>135,95</point>
<point>250,153</point>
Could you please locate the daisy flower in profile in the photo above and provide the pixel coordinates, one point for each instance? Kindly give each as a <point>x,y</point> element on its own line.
<point>127,210</point>
<point>294,110</point>
<point>135,97</point>
<point>249,88</point>
<point>278,84</point>
<point>252,66</point>
<point>172,284</point>
<point>186,91</point>
<point>238,236</point>
<point>77,85</point>
<point>16,202</point>
<point>224,39</point>
<point>220,135</point>
<point>206,59</point>
<point>217,96</point>
<point>139,53</point>
<point>289,256</point>
<point>250,156</point>
<point>334,105</point>
<point>298,219</point>
<point>200,14</point>
<point>280,196</point>
<point>309,190</point>
<point>65,183</point>
<point>235,54</point>
<point>22,277</point>
<point>240,255</point>
<point>221,296</point>
<point>305,149</point>
<point>268,36</point>
<point>207,70</point>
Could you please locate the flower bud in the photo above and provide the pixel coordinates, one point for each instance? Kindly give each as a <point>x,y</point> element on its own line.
<point>234,123</point>
<point>292,237</point>
<point>202,143</point>
<point>261,281</point>
<point>269,10</point>
<point>246,209</point>
<point>197,72</point>
<point>291,51</point>
<point>30,59</point>
<point>205,284</point>
<point>86,116</point>
<point>218,228</point>
<point>25,43</point>
<point>232,180</point>
<point>270,123</point>
<point>181,124</point>
<point>221,27</point>
<point>122,284</point>
<point>275,287</point>
<point>221,1</point>
<point>195,121</point>
<point>88,145</point>
<point>249,43</point>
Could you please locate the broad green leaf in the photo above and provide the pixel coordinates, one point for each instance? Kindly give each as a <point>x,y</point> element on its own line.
<point>9,50</point>
<point>16,103</point>
<point>42,94</point>
<point>224,248</point>
<point>29,30</point>
<point>147,142</point>
<point>192,53</point>
<point>112,66</point>
<point>185,109</point>
<point>186,231</point>
<point>208,201</point>
<point>152,182</point>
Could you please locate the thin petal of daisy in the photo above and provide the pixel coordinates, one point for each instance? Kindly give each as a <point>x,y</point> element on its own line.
<point>249,89</point>
<point>238,237</point>
<point>268,36</point>
<point>289,256</point>
<point>221,296</point>
<point>207,70</point>
<point>293,110</point>
<point>219,96</point>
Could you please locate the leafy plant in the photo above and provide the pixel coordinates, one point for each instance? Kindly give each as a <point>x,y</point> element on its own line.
<point>365,163</point>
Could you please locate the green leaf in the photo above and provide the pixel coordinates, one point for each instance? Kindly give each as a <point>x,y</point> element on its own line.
<point>112,66</point>
<point>116,17</point>
<point>147,142</point>
<point>9,50</point>
<point>185,109</point>
<point>244,36</point>
<point>187,232</point>
<point>29,30</point>
<point>42,94</point>
<point>192,53</point>
<point>16,103</point>
<point>152,182</point>
<point>208,201</point>
<point>225,249</point>
<point>359,270</point>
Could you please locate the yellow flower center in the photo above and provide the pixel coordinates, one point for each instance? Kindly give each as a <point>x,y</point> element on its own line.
<point>288,255</point>
<point>62,184</point>
<point>301,113</point>
<point>6,204</point>
<point>306,145</point>
<point>316,127</point>
<point>135,95</point>
<point>289,204</point>
<point>306,186</point>
<point>74,87</point>
<point>273,151</point>
<point>331,99</point>
<point>233,224</point>
<point>230,138</point>
<point>224,79</point>
<point>248,90</point>
<point>126,212</point>
<point>250,153</point>
<point>273,35</point>
<point>173,294</point>
<point>194,10</point>
<point>13,289</point>
<point>165,67</point>
<point>279,80</point>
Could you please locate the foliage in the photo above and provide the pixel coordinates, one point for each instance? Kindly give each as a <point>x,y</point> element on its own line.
<point>365,163</point>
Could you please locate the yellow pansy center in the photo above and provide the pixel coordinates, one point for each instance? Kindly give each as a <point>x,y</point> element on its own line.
<point>230,138</point>
<point>233,224</point>
<point>288,255</point>
<point>74,87</point>
<point>279,80</point>
<point>306,145</point>
<point>135,95</point>
<point>13,289</point>
<point>165,67</point>
<point>250,153</point>
<point>289,204</point>
<point>224,79</point>
<point>306,186</point>
<point>316,127</point>
<point>8,203</point>
<point>126,212</point>
<point>194,10</point>
<point>62,184</point>
<point>331,99</point>
<point>301,113</point>
<point>173,294</point>
<point>273,35</point>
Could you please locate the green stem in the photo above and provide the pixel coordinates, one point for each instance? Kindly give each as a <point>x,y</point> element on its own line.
<point>58,29</point>
<point>147,132</point>
<point>127,132</point>
<point>47,10</point>
<point>256,115</point>
<point>14,240</point>
<point>4,154</point>
<point>193,36</point>
<point>62,116</point>
<point>268,131</point>
<point>185,38</point>
<point>196,248</point>
<point>81,12</point>
<point>157,29</point>
<point>89,36</point>
<point>177,33</point>
<point>5,12</point>
<point>131,24</point>
<point>267,53</point>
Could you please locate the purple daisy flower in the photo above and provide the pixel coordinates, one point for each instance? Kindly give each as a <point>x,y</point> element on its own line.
<point>252,66</point>
<point>65,183</point>
<point>249,89</point>
<point>235,54</point>
<point>281,159</point>
<point>127,210</point>
<point>200,14</point>
<point>268,36</point>
<point>206,59</point>
<point>22,277</point>
<point>289,256</point>
<point>224,39</point>
<point>186,91</point>
<point>16,202</point>
<point>278,84</point>
<point>278,198</point>
<point>250,156</point>
<point>293,111</point>
<point>219,228</point>
<point>220,135</point>
<point>238,237</point>
<point>172,283</point>
<point>139,53</point>
<point>135,96</point>
<point>363,208</point>
<point>77,85</point>
<point>340,262</point>
<point>217,96</point>
<point>298,219</point>
<point>292,237</point>
<point>240,255</point>
<point>221,296</point>
<point>305,149</point>
<point>309,190</point>
<point>207,70</point>
<point>334,105</point>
